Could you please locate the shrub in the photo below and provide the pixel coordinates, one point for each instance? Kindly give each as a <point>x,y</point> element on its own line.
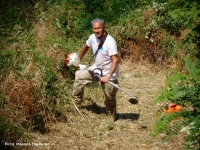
<point>183,89</point>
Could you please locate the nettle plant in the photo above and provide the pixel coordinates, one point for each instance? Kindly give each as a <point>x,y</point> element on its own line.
<point>183,89</point>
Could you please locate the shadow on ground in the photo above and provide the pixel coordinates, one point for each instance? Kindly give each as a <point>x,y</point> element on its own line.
<point>127,116</point>
<point>94,108</point>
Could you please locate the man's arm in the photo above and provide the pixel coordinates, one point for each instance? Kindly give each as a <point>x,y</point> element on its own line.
<point>83,51</point>
<point>115,61</point>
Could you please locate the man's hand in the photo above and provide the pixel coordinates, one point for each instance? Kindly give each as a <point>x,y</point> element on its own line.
<point>104,79</point>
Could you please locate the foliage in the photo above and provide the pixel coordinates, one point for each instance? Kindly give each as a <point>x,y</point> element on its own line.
<point>33,84</point>
<point>5,64</point>
<point>179,15</point>
<point>77,23</point>
<point>183,89</point>
<point>157,20</point>
<point>10,133</point>
<point>14,13</point>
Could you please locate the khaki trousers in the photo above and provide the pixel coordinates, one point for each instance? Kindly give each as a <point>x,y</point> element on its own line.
<point>84,77</point>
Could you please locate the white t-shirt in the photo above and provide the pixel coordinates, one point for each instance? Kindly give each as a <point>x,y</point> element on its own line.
<point>102,59</point>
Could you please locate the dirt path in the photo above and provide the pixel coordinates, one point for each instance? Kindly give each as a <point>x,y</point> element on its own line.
<point>131,131</point>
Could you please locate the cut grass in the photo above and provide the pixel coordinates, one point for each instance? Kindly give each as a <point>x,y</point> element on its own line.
<point>132,130</point>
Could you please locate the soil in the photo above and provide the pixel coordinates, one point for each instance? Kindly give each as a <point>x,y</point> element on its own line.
<point>132,129</point>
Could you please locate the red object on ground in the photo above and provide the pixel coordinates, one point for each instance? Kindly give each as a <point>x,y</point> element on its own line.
<point>173,107</point>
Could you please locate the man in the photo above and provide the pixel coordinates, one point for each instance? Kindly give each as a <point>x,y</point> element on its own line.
<point>106,59</point>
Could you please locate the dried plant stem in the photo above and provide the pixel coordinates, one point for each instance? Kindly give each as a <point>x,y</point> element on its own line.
<point>77,109</point>
<point>76,106</point>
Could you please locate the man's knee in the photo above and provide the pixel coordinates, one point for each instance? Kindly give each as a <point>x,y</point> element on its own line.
<point>82,74</point>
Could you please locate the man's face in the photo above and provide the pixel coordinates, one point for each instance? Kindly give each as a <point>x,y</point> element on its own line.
<point>98,29</point>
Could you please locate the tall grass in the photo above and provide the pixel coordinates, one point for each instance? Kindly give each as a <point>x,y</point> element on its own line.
<point>34,81</point>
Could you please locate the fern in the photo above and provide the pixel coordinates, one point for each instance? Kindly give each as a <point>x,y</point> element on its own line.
<point>193,139</point>
<point>183,89</point>
<point>185,16</point>
<point>194,72</point>
<point>165,120</point>
<point>176,126</point>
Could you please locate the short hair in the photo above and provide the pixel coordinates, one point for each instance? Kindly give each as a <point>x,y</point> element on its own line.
<point>97,20</point>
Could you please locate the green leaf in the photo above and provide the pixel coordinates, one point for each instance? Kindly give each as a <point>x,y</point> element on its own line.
<point>194,72</point>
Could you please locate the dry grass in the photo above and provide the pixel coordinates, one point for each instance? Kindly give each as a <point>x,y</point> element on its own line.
<point>44,31</point>
<point>19,94</point>
<point>132,130</point>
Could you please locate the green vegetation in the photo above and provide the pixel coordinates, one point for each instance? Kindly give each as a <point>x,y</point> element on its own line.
<point>37,35</point>
<point>183,89</point>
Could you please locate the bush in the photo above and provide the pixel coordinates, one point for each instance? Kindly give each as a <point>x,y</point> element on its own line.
<point>183,89</point>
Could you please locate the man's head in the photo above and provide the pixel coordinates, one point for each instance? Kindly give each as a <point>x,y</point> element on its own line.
<point>98,28</point>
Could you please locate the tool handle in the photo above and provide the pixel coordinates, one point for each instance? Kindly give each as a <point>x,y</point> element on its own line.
<point>121,89</point>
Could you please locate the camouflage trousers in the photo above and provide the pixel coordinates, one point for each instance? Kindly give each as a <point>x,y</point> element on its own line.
<point>84,77</point>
